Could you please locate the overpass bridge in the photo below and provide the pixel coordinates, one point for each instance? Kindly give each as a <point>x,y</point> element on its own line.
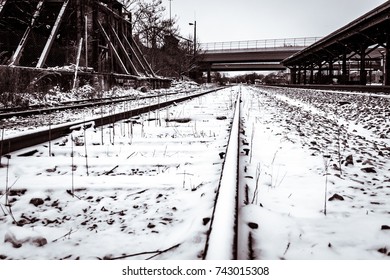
<point>254,55</point>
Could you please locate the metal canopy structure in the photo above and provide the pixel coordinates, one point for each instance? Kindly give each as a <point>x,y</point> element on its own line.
<point>349,55</point>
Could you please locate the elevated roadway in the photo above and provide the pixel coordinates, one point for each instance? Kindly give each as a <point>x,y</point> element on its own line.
<point>256,55</point>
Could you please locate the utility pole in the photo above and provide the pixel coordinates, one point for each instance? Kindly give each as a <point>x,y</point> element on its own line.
<point>194,24</point>
<point>170,11</point>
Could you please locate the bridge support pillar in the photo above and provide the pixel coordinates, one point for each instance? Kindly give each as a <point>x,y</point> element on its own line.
<point>304,75</point>
<point>209,75</point>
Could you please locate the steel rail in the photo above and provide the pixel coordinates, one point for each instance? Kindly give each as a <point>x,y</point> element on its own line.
<point>70,105</point>
<point>222,238</point>
<point>19,142</point>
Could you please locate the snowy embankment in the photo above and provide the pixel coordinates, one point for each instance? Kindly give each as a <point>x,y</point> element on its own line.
<point>317,176</point>
<point>142,188</point>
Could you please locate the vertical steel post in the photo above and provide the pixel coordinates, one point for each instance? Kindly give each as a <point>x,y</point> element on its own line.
<point>331,70</point>
<point>344,69</point>
<point>299,74</point>
<point>319,74</point>
<point>386,74</point>
<point>209,73</point>
<point>311,79</point>
<point>363,74</point>
<point>294,75</point>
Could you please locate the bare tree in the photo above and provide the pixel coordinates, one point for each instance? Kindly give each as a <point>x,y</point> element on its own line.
<point>169,53</point>
<point>149,24</point>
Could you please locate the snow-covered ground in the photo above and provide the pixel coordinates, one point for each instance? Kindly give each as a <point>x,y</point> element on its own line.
<point>140,187</point>
<point>317,174</point>
<point>314,175</point>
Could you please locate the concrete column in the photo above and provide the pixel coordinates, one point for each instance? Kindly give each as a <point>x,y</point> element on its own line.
<point>304,75</point>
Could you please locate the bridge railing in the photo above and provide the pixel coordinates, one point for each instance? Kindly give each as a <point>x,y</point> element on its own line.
<point>259,44</point>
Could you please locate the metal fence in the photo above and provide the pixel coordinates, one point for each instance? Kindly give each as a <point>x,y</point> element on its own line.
<point>259,44</point>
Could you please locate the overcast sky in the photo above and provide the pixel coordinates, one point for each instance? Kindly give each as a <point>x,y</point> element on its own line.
<point>234,20</point>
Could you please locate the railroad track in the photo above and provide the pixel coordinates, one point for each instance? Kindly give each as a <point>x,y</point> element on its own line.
<point>222,240</point>
<point>226,190</point>
<point>230,229</point>
<point>6,113</point>
<point>229,237</point>
<point>353,88</point>
<point>19,142</point>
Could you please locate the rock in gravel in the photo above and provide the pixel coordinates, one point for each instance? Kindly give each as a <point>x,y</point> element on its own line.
<point>20,236</point>
<point>369,170</point>
<point>38,241</point>
<point>336,197</point>
<point>253,225</point>
<point>368,162</point>
<point>349,160</point>
<point>385,227</point>
<point>382,250</point>
<point>342,103</point>
<point>36,201</point>
<point>206,221</point>
<point>150,225</point>
<point>220,118</point>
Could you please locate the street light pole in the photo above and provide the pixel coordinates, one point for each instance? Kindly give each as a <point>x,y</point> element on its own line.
<point>170,11</point>
<point>194,24</point>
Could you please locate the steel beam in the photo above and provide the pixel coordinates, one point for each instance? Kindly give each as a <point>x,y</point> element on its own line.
<point>134,54</point>
<point>22,44</point>
<point>145,62</point>
<point>52,36</point>
<point>244,67</point>
<point>113,49</point>
<point>124,51</point>
<point>2,4</point>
